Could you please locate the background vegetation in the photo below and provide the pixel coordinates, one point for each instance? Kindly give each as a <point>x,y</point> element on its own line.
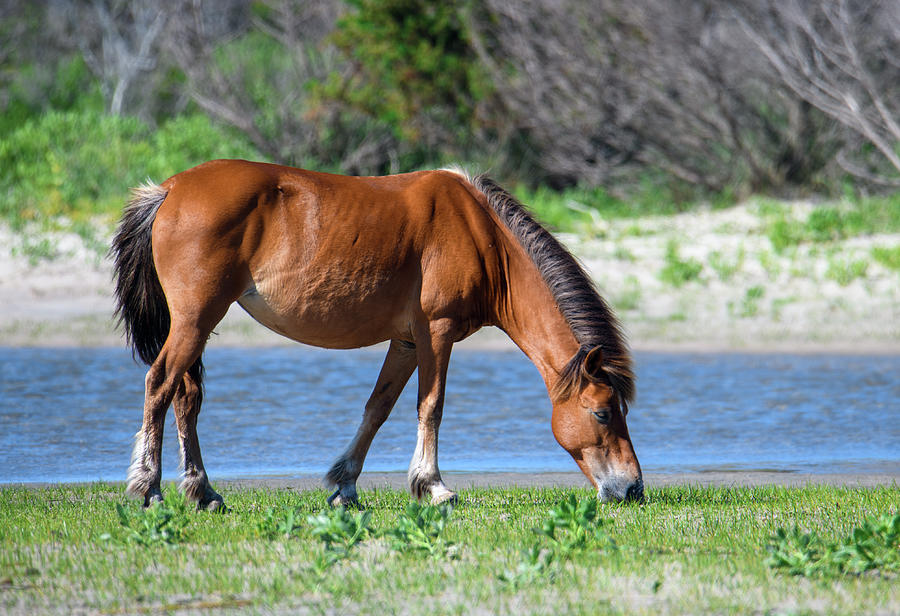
<point>655,103</point>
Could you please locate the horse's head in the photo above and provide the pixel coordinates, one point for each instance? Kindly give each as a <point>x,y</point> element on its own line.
<point>589,423</point>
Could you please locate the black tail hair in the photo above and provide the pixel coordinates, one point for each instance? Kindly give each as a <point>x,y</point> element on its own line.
<point>140,303</point>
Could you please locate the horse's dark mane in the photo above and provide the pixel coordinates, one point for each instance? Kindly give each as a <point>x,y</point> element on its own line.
<point>588,315</point>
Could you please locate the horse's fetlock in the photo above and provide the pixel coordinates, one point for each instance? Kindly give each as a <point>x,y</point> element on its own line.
<point>343,471</point>
<point>194,486</point>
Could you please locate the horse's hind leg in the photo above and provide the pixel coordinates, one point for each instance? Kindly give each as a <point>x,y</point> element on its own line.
<point>398,367</point>
<point>182,348</point>
<point>186,405</point>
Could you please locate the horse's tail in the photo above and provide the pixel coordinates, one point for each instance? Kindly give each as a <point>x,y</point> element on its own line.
<point>140,303</point>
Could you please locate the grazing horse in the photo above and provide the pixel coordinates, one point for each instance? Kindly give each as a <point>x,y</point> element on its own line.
<point>421,259</point>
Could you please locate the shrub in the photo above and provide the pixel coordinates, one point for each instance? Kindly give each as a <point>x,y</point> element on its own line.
<point>81,164</point>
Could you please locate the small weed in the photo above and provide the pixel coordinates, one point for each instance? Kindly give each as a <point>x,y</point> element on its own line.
<point>750,302</point>
<point>279,523</point>
<point>421,529</point>
<point>678,271</point>
<point>340,530</point>
<point>795,552</point>
<point>778,305</point>
<point>569,528</point>
<point>160,523</point>
<point>635,230</point>
<point>573,525</point>
<point>784,233</point>
<point>726,268</point>
<point>826,224</point>
<point>888,257</point>
<point>770,264</point>
<point>36,249</point>
<point>630,298</point>
<point>536,562</point>
<point>874,545</point>
<point>844,272</point>
<point>623,254</point>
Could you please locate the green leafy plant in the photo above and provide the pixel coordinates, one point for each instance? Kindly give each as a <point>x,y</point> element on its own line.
<point>888,257</point>
<point>340,530</point>
<point>795,552</point>
<point>724,267</point>
<point>874,545</point>
<point>574,525</point>
<point>421,529</point>
<point>630,297</point>
<point>536,563</point>
<point>846,271</point>
<point>160,523</point>
<point>279,523</point>
<point>750,303</point>
<point>784,233</point>
<point>678,271</point>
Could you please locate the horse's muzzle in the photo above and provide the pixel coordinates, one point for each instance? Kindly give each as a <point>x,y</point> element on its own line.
<point>635,492</point>
<point>615,492</point>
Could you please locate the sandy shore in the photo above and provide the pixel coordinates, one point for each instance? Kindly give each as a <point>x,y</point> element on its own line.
<point>458,481</point>
<point>461,481</point>
<point>745,296</point>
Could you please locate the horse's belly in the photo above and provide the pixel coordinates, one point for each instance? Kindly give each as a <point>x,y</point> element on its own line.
<point>331,320</point>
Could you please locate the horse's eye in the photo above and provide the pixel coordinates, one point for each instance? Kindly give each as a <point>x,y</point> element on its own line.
<point>601,415</point>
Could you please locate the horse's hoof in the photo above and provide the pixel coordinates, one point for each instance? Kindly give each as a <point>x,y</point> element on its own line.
<point>340,500</point>
<point>445,497</point>
<point>153,498</point>
<point>211,501</point>
<point>213,506</point>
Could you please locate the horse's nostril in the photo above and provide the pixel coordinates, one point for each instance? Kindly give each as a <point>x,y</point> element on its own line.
<point>635,491</point>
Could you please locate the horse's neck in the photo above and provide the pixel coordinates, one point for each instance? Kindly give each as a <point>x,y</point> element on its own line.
<point>530,317</point>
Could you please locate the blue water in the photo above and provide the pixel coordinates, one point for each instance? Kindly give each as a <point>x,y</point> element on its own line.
<point>70,414</point>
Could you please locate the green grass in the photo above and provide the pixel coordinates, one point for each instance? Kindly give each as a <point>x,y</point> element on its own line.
<point>522,551</point>
<point>844,271</point>
<point>829,222</point>
<point>582,209</point>
<point>679,271</point>
<point>888,257</point>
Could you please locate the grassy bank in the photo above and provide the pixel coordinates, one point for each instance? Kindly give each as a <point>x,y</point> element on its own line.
<point>69,549</point>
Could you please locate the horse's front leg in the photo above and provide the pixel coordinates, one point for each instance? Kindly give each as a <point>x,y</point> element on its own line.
<point>433,355</point>
<point>398,367</point>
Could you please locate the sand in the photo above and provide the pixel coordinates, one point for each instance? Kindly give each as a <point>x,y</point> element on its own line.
<point>746,296</point>
<point>458,481</point>
<point>461,481</point>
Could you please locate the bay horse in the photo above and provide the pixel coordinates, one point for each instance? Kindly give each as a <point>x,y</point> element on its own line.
<point>421,259</point>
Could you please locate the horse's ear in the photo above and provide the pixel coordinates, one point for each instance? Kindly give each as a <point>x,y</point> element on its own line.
<point>592,368</point>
